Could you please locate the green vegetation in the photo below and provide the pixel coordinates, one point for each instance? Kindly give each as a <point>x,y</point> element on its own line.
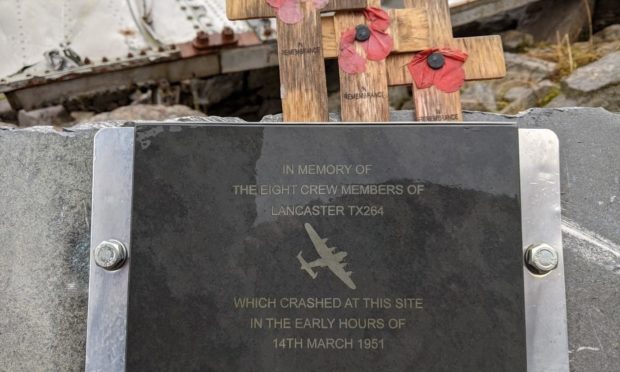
<point>553,93</point>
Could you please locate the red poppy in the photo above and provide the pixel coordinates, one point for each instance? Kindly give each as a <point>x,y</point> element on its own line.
<point>448,76</point>
<point>377,47</point>
<point>289,11</point>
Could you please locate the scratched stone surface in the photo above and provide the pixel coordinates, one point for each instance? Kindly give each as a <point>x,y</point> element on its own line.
<point>45,185</point>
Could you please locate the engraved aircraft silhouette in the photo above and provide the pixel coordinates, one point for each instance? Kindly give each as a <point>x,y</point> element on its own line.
<point>328,259</point>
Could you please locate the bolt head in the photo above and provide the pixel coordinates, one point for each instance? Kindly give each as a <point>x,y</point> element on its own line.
<point>110,255</point>
<point>362,33</point>
<point>201,35</point>
<point>541,258</point>
<point>436,61</point>
<point>228,33</point>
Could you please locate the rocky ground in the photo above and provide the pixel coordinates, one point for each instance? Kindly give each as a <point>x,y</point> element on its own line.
<point>585,74</point>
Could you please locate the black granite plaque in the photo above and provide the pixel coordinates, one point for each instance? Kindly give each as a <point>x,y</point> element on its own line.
<point>326,248</point>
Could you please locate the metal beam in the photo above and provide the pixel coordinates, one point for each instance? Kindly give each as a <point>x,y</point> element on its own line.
<point>473,10</point>
<point>32,97</point>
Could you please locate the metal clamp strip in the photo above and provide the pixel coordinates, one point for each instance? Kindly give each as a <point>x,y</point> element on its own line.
<point>111,219</point>
<point>545,296</point>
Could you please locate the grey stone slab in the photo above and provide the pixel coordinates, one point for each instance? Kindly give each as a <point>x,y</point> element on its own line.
<point>45,180</point>
<point>593,85</point>
<point>590,176</point>
<point>44,241</point>
<point>590,158</point>
<point>597,75</point>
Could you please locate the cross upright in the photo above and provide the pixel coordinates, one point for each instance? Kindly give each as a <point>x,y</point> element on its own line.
<point>417,28</point>
<point>303,85</point>
<point>364,95</point>
<point>485,61</point>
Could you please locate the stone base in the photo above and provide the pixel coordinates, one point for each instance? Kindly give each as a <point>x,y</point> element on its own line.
<point>45,200</point>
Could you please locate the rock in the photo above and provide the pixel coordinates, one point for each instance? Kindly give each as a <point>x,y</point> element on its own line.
<point>478,97</point>
<point>607,41</point>
<point>523,76</point>
<point>520,105</point>
<point>526,68</point>
<point>270,106</point>
<point>215,89</point>
<point>54,115</point>
<point>408,105</point>
<point>6,111</point>
<point>607,13</point>
<point>502,86</point>
<point>545,92</point>
<point>146,112</point>
<point>515,93</point>
<point>333,102</point>
<point>532,97</point>
<point>561,101</point>
<point>611,33</point>
<point>398,96</point>
<point>597,84</point>
<point>248,110</point>
<point>82,116</point>
<point>45,216</point>
<point>516,41</point>
<point>7,126</point>
<point>332,73</point>
<point>547,19</point>
<point>605,48</point>
<point>266,82</point>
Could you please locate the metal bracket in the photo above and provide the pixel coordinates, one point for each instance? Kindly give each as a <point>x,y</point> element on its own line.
<point>545,296</point>
<point>111,219</point>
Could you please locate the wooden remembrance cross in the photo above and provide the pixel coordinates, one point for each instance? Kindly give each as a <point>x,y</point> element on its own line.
<point>303,85</point>
<point>425,24</point>
<point>486,61</point>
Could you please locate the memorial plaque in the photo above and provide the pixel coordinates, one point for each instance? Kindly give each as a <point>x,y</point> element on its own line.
<point>323,248</point>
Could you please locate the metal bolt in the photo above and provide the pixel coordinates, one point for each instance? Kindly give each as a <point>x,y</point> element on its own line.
<point>228,33</point>
<point>436,61</point>
<point>110,255</point>
<point>541,258</point>
<point>362,33</point>
<point>201,41</point>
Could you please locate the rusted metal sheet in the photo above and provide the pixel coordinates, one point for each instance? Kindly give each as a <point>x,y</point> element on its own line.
<point>55,42</point>
<point>467,11</point>
<point>171,70</point>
